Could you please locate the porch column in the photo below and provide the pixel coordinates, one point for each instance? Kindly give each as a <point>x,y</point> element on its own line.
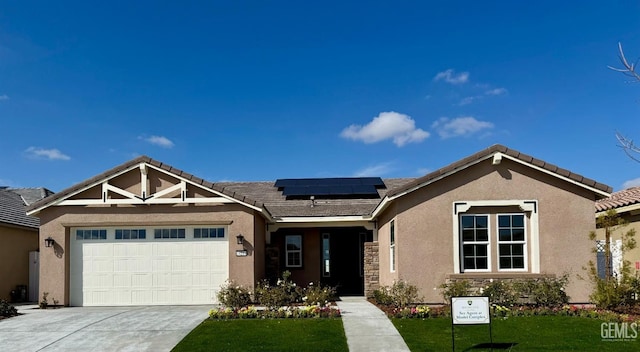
<point>371,268</point>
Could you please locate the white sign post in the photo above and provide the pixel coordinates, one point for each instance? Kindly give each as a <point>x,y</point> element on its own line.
<point>470,311</point>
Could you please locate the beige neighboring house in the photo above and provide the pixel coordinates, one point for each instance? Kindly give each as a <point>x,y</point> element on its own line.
<point>145,232</point>
<point>19,250</point>
<point>627,204</point>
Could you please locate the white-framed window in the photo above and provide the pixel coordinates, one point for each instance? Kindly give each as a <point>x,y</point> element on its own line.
<point>208,232</point>
<point>293,251</point>
<point>91,234</point>
<point>475,243</point>
<point>392,245</point>
<point>130,234</point>
<point>512,242</point>
<point>169,233</point>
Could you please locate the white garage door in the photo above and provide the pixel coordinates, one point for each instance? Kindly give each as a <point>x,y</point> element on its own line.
<point>147,266</point>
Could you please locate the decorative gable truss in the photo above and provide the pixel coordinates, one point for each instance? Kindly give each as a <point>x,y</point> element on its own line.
<point>167,189</point>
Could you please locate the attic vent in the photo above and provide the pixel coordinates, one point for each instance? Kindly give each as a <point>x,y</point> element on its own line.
<point>330,188</point>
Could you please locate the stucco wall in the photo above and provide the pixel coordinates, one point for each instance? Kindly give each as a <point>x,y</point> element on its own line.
<point>57,221</point>
<point>424,225</point>
<point>14,256</point>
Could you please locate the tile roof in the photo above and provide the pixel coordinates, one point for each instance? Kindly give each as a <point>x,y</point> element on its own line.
<point>497,148</point>
<point>265,196</point>
<point>619,199</point>
<point>13,207</point>
<point>279,206</point>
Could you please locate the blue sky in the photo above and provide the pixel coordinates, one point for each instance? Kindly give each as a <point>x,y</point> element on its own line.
<point>256,90</point>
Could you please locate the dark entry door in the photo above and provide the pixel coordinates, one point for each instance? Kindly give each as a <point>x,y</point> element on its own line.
<point>342,251</point>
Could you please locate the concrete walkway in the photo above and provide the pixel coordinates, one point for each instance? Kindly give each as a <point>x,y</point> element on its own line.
<point>367,328</point>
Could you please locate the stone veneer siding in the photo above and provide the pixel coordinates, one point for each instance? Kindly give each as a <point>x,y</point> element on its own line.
<point>371,268</point>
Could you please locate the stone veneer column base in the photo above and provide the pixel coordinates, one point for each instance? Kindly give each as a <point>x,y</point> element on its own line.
<point>371,268</point>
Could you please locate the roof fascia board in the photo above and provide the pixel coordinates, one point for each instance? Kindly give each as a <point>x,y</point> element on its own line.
<point>551,173</point>
<point>368,224</point>
<point>319,219</point>
<point>385,202</point>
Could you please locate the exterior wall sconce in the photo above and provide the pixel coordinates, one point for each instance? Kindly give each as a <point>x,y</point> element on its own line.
<point>49,242</point>
<point>240,239</point>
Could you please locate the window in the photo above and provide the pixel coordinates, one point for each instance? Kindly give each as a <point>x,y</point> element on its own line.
<point>91,234</point>
<point>294,250</point>
<point>135,234</point>
<point>326,255</point>
<point>392,245</point>
<point>475,242</point>
<point>168,233</point>
<point>217,232</point>
<point>511,242</point>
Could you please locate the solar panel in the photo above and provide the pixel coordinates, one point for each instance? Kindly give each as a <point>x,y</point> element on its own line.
<point>337,187</point>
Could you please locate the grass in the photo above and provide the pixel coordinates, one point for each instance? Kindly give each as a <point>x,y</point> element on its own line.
<point>537,333</point>
<point>266,335</point>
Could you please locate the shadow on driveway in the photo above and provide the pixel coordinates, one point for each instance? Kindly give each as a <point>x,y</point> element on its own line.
<point>148,328</point>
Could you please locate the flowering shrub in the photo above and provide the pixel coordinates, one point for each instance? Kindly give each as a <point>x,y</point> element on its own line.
<point>400,294</point>
<point>318,294</point>
<point>233,295</point>
<point>310,311</point>
<point>283,293</point>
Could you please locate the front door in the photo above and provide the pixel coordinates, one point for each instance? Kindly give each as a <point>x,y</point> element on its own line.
<point>342,252</point>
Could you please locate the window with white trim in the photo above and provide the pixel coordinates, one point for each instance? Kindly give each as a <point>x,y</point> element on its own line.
<point>293,250</point>
<point>512,245</point>
<point>392,245</point>
<point>216,232</point>
<point>169,233</point>
<point>474,242</point>
<point>91,234</point>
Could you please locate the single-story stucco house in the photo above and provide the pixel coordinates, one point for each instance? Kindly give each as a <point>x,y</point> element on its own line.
<point>20,244</point>
<point>147,233</point>
<point>627,204</point>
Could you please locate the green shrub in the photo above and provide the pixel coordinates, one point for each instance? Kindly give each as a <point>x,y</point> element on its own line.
<point>233,295</point>
<point>6,309</point>
<point>547,291</point>
<point>283,293</point>
<point>318,294</point>
<point>502,293</point>
<point>400,294</point>
<point>455,289</point>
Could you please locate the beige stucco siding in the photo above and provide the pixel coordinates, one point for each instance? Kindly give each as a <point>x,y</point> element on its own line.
<point>633,223</point>
<point>14,254</point>
<point>57,221</point>
<point>424,224</point>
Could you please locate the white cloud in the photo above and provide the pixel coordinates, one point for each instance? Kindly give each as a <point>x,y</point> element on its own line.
<point>374,170</point>
<point>51,154</point>
<point>450,76</point>
<point>631,183</point>
<point>4,97</point>
<point>460,126</point>
<point>496,91</point>
<point>160,141</point>
<point>467,101</point>
<point>423,171</point>
<point>399,127</point>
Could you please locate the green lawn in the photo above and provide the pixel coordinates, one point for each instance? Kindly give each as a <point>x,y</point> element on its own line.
<point>538,333</point>
<point>266,335</point>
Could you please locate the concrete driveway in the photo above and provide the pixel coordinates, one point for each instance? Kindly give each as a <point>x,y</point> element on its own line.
<point>149,328</point>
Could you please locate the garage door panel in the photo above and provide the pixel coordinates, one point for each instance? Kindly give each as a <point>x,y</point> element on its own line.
<point>142,272</point>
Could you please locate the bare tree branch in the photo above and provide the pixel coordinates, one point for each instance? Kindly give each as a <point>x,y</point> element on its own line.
<point>632,150</point>
<point>629,69</point>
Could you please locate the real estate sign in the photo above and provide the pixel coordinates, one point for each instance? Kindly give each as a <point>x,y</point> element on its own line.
<point>470,310</point>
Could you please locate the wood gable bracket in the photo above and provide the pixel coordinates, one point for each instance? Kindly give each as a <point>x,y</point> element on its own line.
<point>175,194</point>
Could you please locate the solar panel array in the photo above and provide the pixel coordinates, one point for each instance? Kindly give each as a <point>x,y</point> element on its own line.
<point>366,187</point>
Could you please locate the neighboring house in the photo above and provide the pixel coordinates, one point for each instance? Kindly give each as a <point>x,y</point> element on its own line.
<point>627,204</point>
<point>147,233</point>
<point>19,235</point>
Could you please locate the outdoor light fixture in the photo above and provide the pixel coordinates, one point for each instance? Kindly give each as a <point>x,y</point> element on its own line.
<point>240,239</point>
<point>48,242</point>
